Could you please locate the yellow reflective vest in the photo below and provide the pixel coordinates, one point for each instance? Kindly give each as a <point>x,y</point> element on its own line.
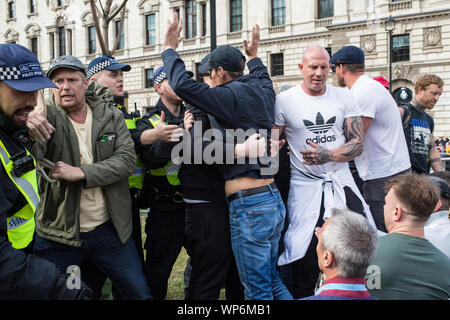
<point>136,180</point>
<point>21,225</point>
<point>169,170</point>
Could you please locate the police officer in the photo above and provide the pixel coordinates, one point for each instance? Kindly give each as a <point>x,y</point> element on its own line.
<point>23,276</point>
<point>159,132</point>
<point>107,71</point>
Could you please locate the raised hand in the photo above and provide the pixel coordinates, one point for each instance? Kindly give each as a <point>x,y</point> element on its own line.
<point>172,37</point>
<point>251,49</point>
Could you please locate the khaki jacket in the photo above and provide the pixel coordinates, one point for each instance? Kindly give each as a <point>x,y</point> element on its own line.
<point>58,213</point>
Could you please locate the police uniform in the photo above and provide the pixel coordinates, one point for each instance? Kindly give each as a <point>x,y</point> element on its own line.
<point>162,191</point>
<point>23,276</point>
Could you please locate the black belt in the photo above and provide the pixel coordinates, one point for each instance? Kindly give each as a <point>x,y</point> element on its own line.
<point>250,192</point>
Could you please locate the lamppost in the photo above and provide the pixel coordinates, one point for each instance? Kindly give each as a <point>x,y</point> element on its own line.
<point>212,14</point>
<point>389,26</point>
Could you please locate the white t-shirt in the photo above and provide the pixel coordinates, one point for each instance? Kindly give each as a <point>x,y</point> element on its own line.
<point>385,150</point>
<point>93,211</point>
<point>319,118</point>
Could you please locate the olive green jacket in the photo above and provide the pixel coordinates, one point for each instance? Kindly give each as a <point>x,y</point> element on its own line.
<point>58,213</point>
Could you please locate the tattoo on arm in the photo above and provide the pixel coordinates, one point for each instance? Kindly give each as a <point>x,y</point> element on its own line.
<point>354,133</point>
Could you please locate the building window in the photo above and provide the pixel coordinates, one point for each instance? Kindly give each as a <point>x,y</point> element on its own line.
<point>62,41</point>
<point>400,48</point>
<point>34,45</point>
<point>277,64</point>
<point>33,6</point>
<point>235,15</point>
<point>148,77</point>
<point>11,10</point>
<point>59,3</point>
<point>92,40</point>
<point>150,29</point>
<point>325,9</point>
<point>204,21</point>
<point>191,19</point>
<point>122,36</point>
<point>52,45</point>
<point>278,12</point>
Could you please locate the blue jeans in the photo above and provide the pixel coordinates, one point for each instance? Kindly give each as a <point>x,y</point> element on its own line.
<point>256,223</point>
<point>120,262</point>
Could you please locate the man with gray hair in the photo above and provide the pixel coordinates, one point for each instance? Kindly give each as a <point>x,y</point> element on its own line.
<point>346,247</point>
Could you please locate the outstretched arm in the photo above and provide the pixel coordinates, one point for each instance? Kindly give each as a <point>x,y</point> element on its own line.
<point>354,134</point>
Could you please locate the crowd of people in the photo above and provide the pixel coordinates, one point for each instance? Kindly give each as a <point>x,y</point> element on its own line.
<point>352,192</point>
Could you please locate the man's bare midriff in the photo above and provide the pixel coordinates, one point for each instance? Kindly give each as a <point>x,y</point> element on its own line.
<point>244,183</point>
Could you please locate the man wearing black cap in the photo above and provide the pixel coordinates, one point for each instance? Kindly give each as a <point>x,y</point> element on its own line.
<point>437,228</point>
<point>22,276</point>
<point>385,151</point>
<point>86,213</point>
<point>240,102</point>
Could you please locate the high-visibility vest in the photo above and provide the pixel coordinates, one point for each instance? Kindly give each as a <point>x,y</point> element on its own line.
<point>136,180</point>
<point>21,225</point>
<point>169,170</point>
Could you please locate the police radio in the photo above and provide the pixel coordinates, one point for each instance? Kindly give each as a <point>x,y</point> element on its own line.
<point>22,163</point>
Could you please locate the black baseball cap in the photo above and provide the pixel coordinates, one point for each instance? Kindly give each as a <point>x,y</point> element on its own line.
<point>227,57</point>
<point>21,70</point>
<point>348,55</point>
<point>67,61</point>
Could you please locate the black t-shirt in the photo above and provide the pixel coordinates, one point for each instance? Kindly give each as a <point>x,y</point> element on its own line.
<point>418,130</point>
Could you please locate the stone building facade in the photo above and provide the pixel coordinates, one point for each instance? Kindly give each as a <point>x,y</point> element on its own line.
<point>420,39</point>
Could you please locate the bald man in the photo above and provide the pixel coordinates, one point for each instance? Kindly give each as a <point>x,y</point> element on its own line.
<point>324,130</point>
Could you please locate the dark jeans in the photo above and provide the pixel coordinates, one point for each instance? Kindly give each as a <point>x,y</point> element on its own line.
<point>93,276</point>
<point>165,238</point>
<point>208,244</point>
<point>305,271</point>
<point>120,262</point>
<point>256,222</point>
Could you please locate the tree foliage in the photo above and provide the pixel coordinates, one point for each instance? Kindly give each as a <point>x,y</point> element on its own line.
<point>102,16</point>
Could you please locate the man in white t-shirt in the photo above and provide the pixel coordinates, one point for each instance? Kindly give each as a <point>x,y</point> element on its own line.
<point>324,130</point>
<point>385,151</point>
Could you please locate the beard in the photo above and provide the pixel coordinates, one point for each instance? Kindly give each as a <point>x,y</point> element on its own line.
<point>341,81</point>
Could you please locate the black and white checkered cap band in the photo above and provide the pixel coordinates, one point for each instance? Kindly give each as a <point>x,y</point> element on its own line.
<point>21,72</point>
<point>10,73</point>
<point>160,77</point>
<point>97,68</point>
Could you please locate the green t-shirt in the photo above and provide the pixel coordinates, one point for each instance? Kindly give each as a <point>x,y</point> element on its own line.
<point>408,268</point>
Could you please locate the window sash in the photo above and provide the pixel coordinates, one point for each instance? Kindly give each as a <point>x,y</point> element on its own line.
<point>325,9</point>
<point>278,12</point>
<point>150,29</point>
<point>191,19</point>
<point>236,15</point>
<point>92,41</point>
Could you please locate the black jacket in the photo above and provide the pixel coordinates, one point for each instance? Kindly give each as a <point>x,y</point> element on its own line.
<point>21,276</point>
<point>156,155</point>
<point>245,103</point>
<point>201,181</point>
